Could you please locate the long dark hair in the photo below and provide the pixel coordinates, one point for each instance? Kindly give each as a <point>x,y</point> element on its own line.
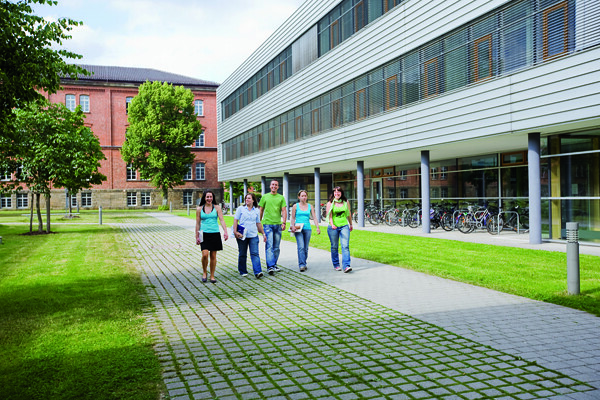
<point>339,189</point>
<point>254,201</point>
<point>203,200</point>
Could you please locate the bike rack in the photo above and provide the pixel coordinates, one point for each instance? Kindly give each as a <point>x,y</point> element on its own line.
<point>509,212</point>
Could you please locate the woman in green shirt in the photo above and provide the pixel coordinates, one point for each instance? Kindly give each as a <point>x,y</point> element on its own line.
<point>339,217</point>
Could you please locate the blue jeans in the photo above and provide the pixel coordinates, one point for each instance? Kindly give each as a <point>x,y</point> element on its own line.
<point>243,255</point>
<point>343,233</point>
<point>302,241</point>
<point>273,234</point>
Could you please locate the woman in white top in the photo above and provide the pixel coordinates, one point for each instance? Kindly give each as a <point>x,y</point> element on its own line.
<point>248,217</point>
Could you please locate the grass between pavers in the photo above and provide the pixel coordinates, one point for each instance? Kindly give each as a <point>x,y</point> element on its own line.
<point>535,274</point>
<point>71,324</point>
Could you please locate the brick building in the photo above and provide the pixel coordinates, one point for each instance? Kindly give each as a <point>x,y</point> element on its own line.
<point>104,97</point>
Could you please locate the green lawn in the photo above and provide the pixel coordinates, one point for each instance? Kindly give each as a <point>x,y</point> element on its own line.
<point>71,323</point>
<point>536,274</point>
<point>60,217</point>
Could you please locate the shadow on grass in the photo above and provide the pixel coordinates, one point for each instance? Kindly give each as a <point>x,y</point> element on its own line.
<point>75,341</point>
<point>117,373</point>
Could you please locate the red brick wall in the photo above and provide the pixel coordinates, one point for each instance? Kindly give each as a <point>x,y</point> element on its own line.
<point>108,120</point>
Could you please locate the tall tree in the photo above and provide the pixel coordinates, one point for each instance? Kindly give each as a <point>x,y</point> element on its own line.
<point>56,150</point>
<point>162,126</point>
<point>28,64</point>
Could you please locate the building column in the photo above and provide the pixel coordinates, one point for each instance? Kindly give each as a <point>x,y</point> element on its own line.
<point>425,200</point>
<point>360,192</point>
<point>318,193</point>
<point>231,197</point>
<point>245,189</point>
<point>535,189</point>
<point>263,185</point>
<point>286,187</point>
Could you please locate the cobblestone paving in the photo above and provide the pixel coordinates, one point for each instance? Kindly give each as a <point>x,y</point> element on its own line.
<point>294,337</point>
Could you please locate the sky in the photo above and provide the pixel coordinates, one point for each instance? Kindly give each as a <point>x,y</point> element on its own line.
<point>203,39</point>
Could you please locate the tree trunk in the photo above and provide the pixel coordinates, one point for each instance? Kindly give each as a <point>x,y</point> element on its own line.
<point>48,213</point>
<point>165,194</point>
<point>39,213</point>
<point>69,197</point>
<point>31,215</point>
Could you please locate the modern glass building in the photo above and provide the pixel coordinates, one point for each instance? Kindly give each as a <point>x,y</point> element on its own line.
<point>488,102</point>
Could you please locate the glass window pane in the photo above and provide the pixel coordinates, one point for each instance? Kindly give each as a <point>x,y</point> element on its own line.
<point>375,10</point>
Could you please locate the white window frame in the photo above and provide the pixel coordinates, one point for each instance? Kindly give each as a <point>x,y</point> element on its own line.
<point>6,202</point>
<point>22,200</point>
<point>200,142</point>
<point>443,173</point>
<point>70,102</point>
<point>200,171</point>
<point>74,201</point>
<point>84,102</point>
<point>188,175</point>
<point>131,173</point>
<point>199,107</point>
<point>86,199</point>
<point>145,199</point>
<point>127,101</point>
<point>5,177</point>
<point>188,197</point>
<point>131,199</point>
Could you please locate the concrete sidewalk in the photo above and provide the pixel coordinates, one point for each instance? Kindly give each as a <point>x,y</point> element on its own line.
<point>378,332</point>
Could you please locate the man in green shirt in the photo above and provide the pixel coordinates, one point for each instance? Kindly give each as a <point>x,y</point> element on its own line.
<point>273,215</point>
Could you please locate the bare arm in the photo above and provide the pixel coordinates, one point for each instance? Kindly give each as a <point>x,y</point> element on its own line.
<point>284,213</point>
<point>293,219</point>
<point>314,217</point>
<point>261,231</point>
<point>198,221</point>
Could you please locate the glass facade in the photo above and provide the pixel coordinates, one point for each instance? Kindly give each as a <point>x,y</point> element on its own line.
<point>571,184</point>
<point>271,75</point>
<point>339,24</point>
<point>570,177</point>
<point>521,34</point>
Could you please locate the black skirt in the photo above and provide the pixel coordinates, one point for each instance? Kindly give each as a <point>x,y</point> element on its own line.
<point>211,241</point>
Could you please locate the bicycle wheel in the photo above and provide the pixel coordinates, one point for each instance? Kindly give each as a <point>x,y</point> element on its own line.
<point>403,220</point>
<point>494,224</point>
<point>391,217</point>
<point>524,221</point>
<point>466,223</point>
<point>374,218</point>
<point>413,219</point>
<point>355,216</point>
<point>447,222</point>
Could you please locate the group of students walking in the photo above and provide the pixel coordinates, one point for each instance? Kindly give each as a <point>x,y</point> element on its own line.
<point>269,218</point>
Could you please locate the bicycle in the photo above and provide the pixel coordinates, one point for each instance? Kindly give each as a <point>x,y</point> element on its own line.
<point>510,220</point>
<point>472,220</point>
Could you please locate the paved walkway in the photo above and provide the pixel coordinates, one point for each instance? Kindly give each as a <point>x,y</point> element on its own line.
<point>378,332</point>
